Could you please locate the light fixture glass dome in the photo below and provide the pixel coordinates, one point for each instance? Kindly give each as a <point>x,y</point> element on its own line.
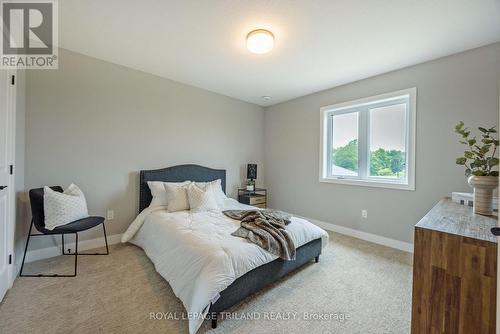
<point>260,41</point>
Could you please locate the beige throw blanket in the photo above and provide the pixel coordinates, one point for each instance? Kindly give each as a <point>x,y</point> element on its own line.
<point>265,228</point>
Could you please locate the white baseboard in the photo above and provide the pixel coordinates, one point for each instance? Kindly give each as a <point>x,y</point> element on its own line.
<point>377,239</point>
<point>45,253</point>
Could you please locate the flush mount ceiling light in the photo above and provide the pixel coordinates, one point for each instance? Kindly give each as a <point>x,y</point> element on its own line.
<point>266,97</point>
<point>260,41</point>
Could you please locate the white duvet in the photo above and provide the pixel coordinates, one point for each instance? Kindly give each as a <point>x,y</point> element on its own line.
<point>198,256</point>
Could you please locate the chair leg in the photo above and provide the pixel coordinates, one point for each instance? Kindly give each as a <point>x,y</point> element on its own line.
<point>26,249</point>
<point>76,251</point>
<point>62,245</point>
<point>105,240</point>
<point>42,275</point>
<point>75,254</point>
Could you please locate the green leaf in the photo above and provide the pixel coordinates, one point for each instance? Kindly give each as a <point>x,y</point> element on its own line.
<point>468,172</point>
<point>469,155</point>
<point>496,142</point>
<point>482,129</point>
<point>493,161</point>
<point>494,173</point>
<point>492,130</point>
<point>485,149</point>
<point>478,173</point>
<point>461,161</point>
<point>459,126</point>
<point>472,141</point>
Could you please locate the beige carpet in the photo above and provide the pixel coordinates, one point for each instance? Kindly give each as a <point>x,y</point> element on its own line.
<point>357,287</point>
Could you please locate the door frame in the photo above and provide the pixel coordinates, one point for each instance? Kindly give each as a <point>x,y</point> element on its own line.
<point>11,147</point>
<point>11,186</point>
<point>498,248</point>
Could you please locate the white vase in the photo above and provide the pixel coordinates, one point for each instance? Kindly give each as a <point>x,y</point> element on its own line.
<point>483,193</point>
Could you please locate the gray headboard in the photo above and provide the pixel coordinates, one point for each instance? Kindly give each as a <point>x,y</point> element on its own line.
<point>176,174</point>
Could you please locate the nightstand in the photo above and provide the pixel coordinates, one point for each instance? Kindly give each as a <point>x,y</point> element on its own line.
<point>257,197</point>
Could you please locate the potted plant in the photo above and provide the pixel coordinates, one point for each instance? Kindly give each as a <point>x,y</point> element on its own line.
<point>480,163</point>
<point>250,185</point>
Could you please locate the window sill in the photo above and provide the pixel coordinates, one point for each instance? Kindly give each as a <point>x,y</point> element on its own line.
<point>368,183</point>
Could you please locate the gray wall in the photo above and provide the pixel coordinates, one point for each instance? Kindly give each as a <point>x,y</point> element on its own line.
<point>97,124</point>
<point>459,87</point>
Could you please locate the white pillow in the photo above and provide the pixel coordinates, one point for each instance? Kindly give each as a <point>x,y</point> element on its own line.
<point>159,193</point>
<point>216,186</point>
<point>177,197</point>
<point>63,208</point>
<point>201,199</point>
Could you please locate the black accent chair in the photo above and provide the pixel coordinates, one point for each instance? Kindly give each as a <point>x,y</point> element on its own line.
<point>38,219</point>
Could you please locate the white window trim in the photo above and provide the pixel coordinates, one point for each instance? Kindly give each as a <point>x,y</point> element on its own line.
<point>410,133</point>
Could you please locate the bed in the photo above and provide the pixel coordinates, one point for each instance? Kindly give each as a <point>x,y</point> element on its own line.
<point>238,267</point>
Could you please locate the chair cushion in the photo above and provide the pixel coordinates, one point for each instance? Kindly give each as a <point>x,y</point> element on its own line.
<point>76,226</point>
<point>36,200</point>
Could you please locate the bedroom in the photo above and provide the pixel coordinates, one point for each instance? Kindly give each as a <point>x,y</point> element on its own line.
<point>349,118</point>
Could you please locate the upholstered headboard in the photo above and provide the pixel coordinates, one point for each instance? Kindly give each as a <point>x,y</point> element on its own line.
<point>176,174</point>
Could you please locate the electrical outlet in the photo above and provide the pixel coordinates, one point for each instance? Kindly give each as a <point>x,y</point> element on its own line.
<point>364,213</point>
<point>110,215</point>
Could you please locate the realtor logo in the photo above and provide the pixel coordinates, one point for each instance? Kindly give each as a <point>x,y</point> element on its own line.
<point>29,34</point>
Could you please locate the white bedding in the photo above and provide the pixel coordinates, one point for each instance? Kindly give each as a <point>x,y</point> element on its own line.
<point>197,255</point>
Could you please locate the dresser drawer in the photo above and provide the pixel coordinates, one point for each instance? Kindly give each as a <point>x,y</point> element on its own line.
<point>257,198</point>
<point>254,200</point>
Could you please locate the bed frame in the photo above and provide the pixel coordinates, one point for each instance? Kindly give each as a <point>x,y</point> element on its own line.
<point>254,280</point>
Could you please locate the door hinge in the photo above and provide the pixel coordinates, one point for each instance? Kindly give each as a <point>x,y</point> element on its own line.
<point>11,169</point>
<point>10,258</point>
<point>12,80</point>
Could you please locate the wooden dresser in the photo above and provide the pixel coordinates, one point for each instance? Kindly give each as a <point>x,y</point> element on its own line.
<point>454,272</point>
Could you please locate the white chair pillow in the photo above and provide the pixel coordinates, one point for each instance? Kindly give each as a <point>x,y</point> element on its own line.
<point>159,193</point>
<point>200,199</point>
<point>63,208</point>
<point>177,198</point>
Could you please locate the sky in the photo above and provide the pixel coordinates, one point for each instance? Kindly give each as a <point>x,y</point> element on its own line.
<point>387,128</point>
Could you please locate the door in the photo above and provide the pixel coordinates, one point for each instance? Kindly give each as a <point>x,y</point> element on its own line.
<point>6,181</point>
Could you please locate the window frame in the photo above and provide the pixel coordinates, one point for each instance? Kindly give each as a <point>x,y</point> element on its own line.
<point>362,106</point>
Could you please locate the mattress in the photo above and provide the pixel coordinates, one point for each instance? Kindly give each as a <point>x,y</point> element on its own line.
<point>198,256</point>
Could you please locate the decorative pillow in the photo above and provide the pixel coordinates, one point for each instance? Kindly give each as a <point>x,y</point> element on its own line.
<point>159,193</point>
<point>63,208</point>
<point>216,186</point>
<point>201,199</point>
<point>177,197</point>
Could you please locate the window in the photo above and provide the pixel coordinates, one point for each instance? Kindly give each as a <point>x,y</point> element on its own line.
<point>370,142</point>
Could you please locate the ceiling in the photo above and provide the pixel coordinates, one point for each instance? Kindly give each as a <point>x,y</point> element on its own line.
<point>319,43</point>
